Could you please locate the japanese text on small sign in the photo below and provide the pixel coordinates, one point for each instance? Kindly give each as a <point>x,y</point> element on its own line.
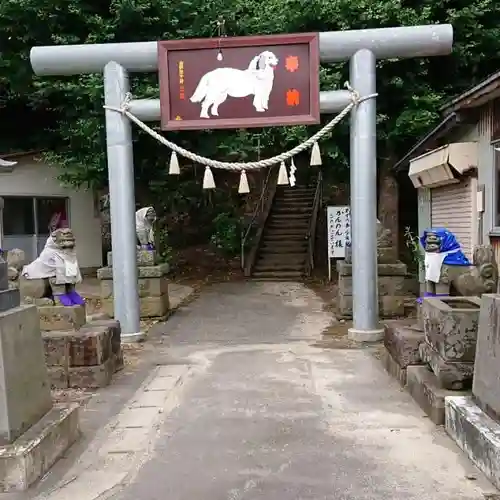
<point>181,81</point>
<point>339,231</point>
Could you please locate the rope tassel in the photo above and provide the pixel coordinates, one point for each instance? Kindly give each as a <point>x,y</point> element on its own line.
<point>282,175</point>
<point>174,164</point>
<point>315,155</point>
<point>292,180</point>
<point>244,188</point>
<point>208,179</point>
<point>293,168</point>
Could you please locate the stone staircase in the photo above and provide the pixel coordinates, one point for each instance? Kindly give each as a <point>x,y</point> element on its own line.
<point>283,250</point>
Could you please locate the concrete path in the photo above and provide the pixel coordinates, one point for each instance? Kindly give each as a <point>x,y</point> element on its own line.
<point>243,407</point>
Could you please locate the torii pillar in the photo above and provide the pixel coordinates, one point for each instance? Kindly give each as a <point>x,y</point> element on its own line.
<point>361,47</point>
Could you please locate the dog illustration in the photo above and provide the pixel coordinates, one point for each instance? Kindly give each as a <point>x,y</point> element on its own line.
<point>257,80</point>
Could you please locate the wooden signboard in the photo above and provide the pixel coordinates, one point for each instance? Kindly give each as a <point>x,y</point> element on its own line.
<point>240,82</point>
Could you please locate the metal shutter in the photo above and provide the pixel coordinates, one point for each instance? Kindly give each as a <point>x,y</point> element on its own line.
<point>452,208</point>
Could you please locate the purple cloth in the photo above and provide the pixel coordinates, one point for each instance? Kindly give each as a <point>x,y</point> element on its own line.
<point>429,294</point>
<point>64,299</point>
<point>76,298</point>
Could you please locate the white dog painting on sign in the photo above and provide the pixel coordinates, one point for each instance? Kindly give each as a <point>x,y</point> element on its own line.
<point>257,80</point>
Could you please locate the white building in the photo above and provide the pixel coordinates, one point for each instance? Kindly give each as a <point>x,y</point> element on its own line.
<point>32,194</point>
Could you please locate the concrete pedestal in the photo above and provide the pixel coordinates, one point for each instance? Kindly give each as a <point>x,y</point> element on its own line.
<point>401,342</point>
<point>391,289</point>
<point>474,422</point>
<point>33,434</point>
<point>80,354</point>
<point>153,290</point>
<point>450,327</point>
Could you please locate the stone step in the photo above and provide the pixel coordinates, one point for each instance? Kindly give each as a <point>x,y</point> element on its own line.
<point>279,267</point>
<point>277,258</point>
<point>284,237</point>
<point>277,275</point>
<point>294,204</point>
<point>288,225</point>
<point>291,210</point>
<point>291,248</point>
<point>284,217</point>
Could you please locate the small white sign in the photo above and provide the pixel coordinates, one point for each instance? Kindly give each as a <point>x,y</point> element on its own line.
<point>339,231</point>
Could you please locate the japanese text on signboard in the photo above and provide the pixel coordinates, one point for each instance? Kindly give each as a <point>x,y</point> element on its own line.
<point>339,231</point>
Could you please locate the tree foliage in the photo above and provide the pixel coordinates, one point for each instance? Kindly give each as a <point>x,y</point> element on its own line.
<point>64,115</point>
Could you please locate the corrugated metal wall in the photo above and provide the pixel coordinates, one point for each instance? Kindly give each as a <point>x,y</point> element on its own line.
<point>452,208</point>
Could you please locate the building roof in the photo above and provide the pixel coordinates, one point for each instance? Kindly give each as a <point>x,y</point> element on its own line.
<point>478,95</point>
<point>420,147</point>
<point>483,92</point>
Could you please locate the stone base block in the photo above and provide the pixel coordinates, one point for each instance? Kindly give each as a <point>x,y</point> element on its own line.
<point>61,318</point>
<point>402,342</point>
<point>393,368</point>
<point>424,387</point>
<point>92,377</point>
<point>9,299</point>
<point>476,434</point>
<point>150,307</point>
<point>84,358</point>
<point>451,375</point>
<point>394,269</point>
<point>389,307</point>
<point>144,258</point>
<point>148,287</point>
<point>31,455</point>
<point>106,273</point>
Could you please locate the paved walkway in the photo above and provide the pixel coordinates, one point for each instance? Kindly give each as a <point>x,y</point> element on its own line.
<point>242,406</point>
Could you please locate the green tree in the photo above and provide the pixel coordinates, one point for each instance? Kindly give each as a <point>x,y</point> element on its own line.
<point>64,115</point>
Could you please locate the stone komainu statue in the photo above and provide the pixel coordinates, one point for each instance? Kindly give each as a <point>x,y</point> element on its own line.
<point>449,272</point>
<point>144,220</point>
<point>55,273</point>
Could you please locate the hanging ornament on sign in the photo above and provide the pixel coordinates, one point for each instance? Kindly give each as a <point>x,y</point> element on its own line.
<point>221,23</point>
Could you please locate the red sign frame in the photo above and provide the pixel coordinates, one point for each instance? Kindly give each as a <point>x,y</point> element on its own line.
<point>308,114</point>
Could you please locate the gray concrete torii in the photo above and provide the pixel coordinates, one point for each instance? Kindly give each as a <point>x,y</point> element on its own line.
<point>362,47</point>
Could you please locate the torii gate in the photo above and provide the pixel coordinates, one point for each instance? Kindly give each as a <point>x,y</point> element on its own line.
<point>361,47</point>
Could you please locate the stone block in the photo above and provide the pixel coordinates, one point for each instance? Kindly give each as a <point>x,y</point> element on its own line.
<point>391,306</point>
<point>30,457</point>
<point>9,299</point>
<point>452,375</point>
<point>92,377</point>
<point>106,273</point>
<point>62,318</point>
<point>148,287</point>
<point>392,367</point>
<point>149,307</point>
<point>486,385</point>
<point>450,326</point>
<point>56,347</point>
<point>387,285</point>
<point>24,381</point>
<point>394,269</point>
<point>4,274</point>
<point>58,377</point>
<point>144,258</point>
<point>386,255</point>
<point>32,288</point>
<point>424,388</point>
<point>476,434</point>
<point>402,342</point>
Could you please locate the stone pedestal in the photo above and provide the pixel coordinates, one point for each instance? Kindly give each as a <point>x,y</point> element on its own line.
<point>450,328</point>
<point>391,289</point>
<point>77,353</point>
<point>474,422</point>
<point>33,432</point>
<point>401,342</point>
<point>153,286</point>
